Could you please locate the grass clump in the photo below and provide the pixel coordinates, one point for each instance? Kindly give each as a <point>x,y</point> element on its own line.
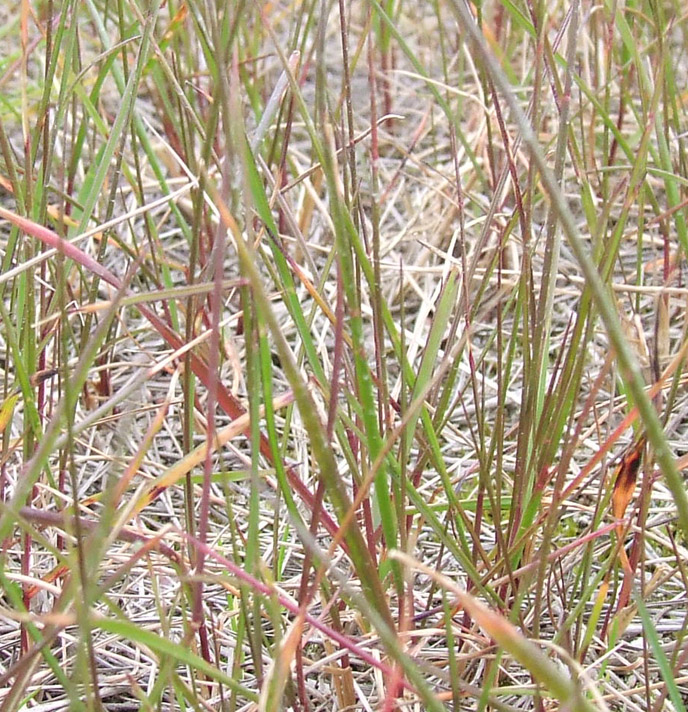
<point>343,356</point>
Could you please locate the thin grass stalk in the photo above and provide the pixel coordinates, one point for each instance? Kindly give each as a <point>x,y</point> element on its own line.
<point>550,270</point>
<point>376,299</point>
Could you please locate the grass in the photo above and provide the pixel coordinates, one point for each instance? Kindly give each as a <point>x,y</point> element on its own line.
<point>343,356</point>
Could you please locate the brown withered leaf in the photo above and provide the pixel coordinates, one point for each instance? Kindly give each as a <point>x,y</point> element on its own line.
<point>626,476</point>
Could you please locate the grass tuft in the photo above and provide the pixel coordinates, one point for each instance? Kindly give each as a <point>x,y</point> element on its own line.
<point>343,355</point>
